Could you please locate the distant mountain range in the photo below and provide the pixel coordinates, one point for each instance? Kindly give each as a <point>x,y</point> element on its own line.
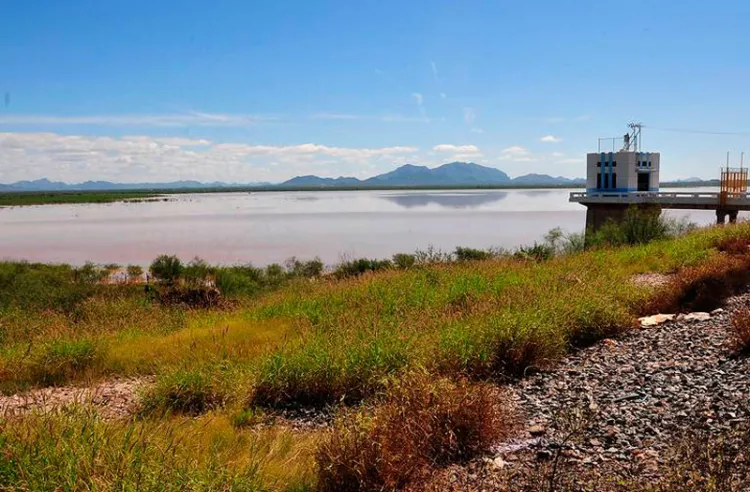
<point>47,185</point>
<point>452,174</point>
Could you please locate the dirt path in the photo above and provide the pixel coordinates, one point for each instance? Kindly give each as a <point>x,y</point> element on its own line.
<point>114,398</point>
<point>621,404</point>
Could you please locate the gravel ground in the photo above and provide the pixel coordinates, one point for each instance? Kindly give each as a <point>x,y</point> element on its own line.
<point>114,398</point>
<point>618,406</point>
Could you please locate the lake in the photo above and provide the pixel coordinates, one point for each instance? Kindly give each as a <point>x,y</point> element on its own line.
<point>267,227</point>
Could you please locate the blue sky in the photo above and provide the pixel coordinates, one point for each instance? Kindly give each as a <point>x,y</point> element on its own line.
<point>245,91</point>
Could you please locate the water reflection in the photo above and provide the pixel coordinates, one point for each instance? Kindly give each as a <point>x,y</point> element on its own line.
<point>537,193</point>
<point>447,200</point>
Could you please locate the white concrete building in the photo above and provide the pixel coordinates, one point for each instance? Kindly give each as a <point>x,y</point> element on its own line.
<point>622,172</point>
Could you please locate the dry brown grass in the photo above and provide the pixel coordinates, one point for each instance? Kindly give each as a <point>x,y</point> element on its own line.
<point>422,424</point>
<point>740,337</point>
<point>703,287</point>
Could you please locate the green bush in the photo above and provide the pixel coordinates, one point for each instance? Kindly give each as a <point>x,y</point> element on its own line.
<point>403,260</point>
<point>304,269</point>
<point>197,271</point>
<point>233,282</point>
<point>471,254</point>
<point>537,252</point>
<point>134,271</point>
<point>358,267</point>
<point>166,268</point>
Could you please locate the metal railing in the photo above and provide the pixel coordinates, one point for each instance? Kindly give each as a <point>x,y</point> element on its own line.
<point>657,196</point>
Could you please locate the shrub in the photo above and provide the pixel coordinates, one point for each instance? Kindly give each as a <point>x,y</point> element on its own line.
<point>191,296</point>
<point>741,330</point>
<point>358,267</point>
<point>89,273</point>
<point>536,252</point>
<point>184,391</point>
<point>233,282</point>
<point>471,254</point>
<point>421,423</point>
<point>403,260</point>
<point>305,269</point>
<point>166,268</point>
<point>196,272</point>
<point>135,271</point>
<point>432,255</point>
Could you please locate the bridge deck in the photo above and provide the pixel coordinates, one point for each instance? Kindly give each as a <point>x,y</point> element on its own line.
<point>678,200</point>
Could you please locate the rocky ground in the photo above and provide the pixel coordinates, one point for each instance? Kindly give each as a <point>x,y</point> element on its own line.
<point>617,407</point>
<point>114,398</point>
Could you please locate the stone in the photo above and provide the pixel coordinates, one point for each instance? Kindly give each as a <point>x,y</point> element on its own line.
<point>537,430</point>
<point>693,317</point>
<point>655,320</point>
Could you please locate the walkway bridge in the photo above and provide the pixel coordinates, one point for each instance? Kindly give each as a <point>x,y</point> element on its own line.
<point>603,206</point>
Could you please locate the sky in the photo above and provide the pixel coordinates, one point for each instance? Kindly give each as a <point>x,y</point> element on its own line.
<point>248,91</point>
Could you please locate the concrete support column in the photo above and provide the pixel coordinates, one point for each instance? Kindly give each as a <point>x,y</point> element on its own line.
<point>599,214</point>
<point>733,216</point>
<point>721,216</point>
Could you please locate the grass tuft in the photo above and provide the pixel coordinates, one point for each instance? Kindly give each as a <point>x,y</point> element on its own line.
<point>185,391</point>
<point>740,337</point>
<point>421,424</point>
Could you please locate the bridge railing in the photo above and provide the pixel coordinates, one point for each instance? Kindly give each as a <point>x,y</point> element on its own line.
<point>638,196</point>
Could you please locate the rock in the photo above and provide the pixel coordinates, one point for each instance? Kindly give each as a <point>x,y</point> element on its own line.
<point>499,463</point>
<point>693,317</point>
<point>537,430</point>
<point>717,311</point>
<point>655,320</point>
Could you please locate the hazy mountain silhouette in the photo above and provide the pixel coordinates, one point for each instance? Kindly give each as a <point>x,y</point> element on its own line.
<point>448,200</point>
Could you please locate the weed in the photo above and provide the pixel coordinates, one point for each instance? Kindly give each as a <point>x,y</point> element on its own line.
<point>353,268</point>
<point>421,424</point>
<point>184,391</point>
<point>63,359</point>
<point>741,330</point>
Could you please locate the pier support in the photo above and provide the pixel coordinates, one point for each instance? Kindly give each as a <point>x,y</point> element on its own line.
<point>721,216</point>
<point>598,214</point>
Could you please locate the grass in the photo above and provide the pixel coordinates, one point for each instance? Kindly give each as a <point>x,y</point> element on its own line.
<point>421,424</point>
<point>293,335</point>
<point>20,199</point>
<point>76,450</point>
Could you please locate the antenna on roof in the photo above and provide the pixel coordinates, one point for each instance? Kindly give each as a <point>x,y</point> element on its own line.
<point>632,140</point>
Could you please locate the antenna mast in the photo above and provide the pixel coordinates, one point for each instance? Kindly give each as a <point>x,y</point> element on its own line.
<point>632,141</point>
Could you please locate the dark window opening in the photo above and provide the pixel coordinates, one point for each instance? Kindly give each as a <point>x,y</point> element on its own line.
<point>598,181</point>
<point>614,163</point>
<point>643,181</point>
<point>598,164</point>
<point>606,181</point>
<point>614,180</point>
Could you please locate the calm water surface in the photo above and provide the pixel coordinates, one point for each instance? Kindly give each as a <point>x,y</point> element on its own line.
<point>272,226</point>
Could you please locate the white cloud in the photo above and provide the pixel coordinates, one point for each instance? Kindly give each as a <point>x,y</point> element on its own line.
<point>417,97</point>
<point>477,130</point>
<point>434,69</point>
<point>516,153</point>
<point>571,160</point>
<point>558,154</point>
<point>443,95</point>
<point>550,139</point>
<point>464,149</point>
<point>75,158</point>
<point>458,152</point>
<point>160,120</point>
